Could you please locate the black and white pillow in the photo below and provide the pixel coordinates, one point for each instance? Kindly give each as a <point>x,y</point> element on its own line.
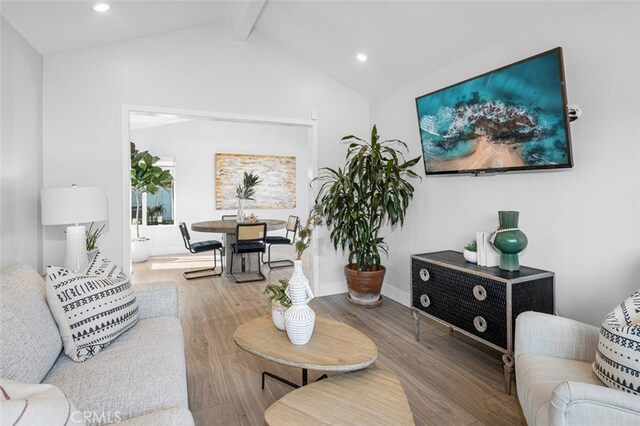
<point>91,309</point>
<point>617,361</point>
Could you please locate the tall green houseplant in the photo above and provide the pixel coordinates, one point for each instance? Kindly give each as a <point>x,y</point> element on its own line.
<point>146,177</point>
<point>371,190</point>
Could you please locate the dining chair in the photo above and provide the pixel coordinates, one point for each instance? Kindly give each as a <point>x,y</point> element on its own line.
<point>292,227</point>
<point>200,247</point>
<point>250,238</point>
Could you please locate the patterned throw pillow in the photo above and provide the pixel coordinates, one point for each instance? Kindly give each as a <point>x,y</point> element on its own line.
<point>91,309</point>
<point>27,404</point>
<point>617,361</point>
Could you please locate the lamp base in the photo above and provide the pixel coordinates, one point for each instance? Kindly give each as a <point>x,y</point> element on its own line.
<point>76,259</point>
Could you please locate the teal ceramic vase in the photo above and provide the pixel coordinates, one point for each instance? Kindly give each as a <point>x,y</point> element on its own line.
<point>509,240</point>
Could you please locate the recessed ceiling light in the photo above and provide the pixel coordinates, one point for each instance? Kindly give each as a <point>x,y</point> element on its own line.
<point>361,57</point>
<point>100,7</point>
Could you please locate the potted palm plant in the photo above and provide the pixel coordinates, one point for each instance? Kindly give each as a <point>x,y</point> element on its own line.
<point>149,178</point>
<point>357,200</point>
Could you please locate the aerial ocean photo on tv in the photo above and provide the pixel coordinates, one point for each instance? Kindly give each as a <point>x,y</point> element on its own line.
<point>512,118</point>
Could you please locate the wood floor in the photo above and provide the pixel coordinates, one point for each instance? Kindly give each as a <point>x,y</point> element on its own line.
<point>449,379</point>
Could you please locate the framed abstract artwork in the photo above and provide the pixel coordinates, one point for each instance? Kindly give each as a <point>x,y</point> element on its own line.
<point>512,118</point>
<point>277,173</point>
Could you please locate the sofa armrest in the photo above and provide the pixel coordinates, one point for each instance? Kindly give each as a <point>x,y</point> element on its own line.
<point>577,403</point>
<point>157,299</point>
<point>551,335</point>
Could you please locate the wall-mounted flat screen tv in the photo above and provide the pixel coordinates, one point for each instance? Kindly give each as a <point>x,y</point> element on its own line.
<point>512,118</point>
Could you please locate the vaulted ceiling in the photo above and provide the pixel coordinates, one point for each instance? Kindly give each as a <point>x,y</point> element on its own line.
<point>403,40</point>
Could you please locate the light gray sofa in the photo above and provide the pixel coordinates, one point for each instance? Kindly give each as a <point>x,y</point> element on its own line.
<point>140,378</point>
<point>556,384</point>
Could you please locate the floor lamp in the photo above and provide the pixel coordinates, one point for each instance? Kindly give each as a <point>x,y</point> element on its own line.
<point>73,206</point>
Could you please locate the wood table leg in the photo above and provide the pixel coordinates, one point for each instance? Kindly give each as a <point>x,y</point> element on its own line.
<point>305,378</point>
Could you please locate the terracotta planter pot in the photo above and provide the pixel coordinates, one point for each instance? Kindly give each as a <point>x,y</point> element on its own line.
<point>364,286</point>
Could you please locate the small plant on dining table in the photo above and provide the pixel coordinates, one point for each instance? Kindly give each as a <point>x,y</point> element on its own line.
<point>276,293</point>
<point>314,219</point>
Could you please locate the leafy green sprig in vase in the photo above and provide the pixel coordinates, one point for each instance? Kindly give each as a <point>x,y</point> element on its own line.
<point>304,236</point>
<point>92,236</point>
<point>246,190</point>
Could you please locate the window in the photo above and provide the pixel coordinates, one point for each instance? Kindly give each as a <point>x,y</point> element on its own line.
<point>158,209</point>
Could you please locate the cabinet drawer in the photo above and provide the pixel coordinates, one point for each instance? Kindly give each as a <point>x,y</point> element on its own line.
<point>473,303</point>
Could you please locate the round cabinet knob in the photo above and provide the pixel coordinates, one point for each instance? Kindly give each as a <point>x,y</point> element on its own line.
<point>479,292</point>
<point>425,301</point>
<point>424,275</point>
<point>480,324</point>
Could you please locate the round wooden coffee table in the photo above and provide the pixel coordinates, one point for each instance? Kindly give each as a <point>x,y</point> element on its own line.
<point>334,346</point>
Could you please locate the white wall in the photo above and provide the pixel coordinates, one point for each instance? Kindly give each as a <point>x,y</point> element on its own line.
<point>21,155</point>
<point>584,223</point>
<point>194,145</point>
<point>197,69</point>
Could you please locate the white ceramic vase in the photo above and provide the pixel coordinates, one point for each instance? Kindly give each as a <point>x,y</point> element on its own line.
<point>240,215</point>
<point>277,315</point>
<point>299,319</point>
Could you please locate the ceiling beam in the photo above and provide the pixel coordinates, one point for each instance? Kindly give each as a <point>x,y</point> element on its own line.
<point>246,18</point>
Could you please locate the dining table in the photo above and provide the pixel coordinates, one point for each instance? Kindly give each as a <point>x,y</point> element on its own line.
<point>228,228</point>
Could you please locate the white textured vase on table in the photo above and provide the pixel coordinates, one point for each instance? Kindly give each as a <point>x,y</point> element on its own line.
<point>299,319</point>
<point>240,215</point>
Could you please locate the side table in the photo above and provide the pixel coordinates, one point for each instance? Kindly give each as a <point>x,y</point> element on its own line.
<point>477,301</point>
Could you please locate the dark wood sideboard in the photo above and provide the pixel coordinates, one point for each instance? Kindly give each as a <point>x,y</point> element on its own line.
<point>478,301</point>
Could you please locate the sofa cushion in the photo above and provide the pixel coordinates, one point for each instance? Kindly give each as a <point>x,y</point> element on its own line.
<point>35,404</point>
<point>538,375</point>
<point>142,371</point>
<point>91,309</point>
<point>29,339</point>
<point>617,361</point>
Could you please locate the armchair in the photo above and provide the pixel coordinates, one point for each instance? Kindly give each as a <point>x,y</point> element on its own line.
<point>555,380</point>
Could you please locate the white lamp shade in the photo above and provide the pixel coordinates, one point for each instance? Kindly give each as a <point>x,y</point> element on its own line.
<point>74,204</point>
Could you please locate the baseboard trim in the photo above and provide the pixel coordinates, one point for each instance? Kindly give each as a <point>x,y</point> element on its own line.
<point>393,293</point>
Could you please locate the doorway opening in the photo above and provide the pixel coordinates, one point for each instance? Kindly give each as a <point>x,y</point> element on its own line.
<point>187,142</point>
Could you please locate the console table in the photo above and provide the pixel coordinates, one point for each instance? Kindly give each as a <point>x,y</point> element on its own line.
<point>480,302</point>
